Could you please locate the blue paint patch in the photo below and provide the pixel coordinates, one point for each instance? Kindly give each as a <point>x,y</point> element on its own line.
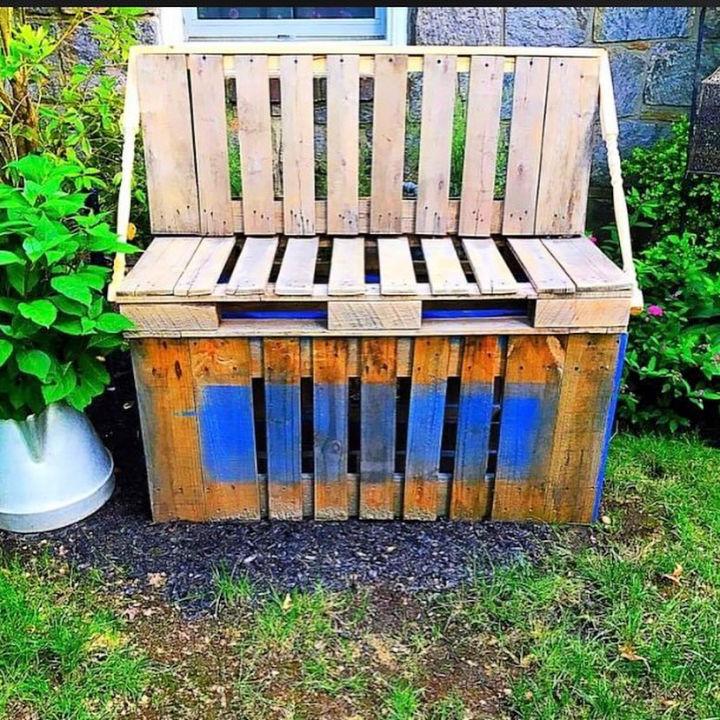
<point>600,484</point>
<point>377,444</point>
<point>282,408</point>
<point>425,426</point>
<point>473,430</point>
<point>330,407</point>
<point>227,433</point>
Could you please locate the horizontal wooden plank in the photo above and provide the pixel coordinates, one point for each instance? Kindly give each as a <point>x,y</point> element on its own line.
<point>491,272</point>
<point>203,271</point>
<point>159,318</point>
<point>297,269</point>
<point>397,275</point>
<point>398,315</point>
<point>540,266</point>
<point>253,267</point>
<point>347,267</point>
<point>584,311</point>
<point>444,269</point>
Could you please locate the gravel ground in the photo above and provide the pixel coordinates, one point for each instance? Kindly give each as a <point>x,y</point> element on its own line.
<point>122,541</point>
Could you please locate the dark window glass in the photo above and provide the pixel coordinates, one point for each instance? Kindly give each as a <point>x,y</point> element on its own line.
<point>285,13</point>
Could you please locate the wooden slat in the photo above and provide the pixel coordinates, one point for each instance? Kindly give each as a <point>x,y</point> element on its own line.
<point>579,311</point>
<point>343,103</point>
<point>203,271</point>
<point>253,267</point>
<point>425,427</point>
<point>540,266</point>
<point>388,151</point>
<point>481,144</point>
<point>347,267</point>
<point>444,269</point>
<point>168,144</point>
<point>163,380</point>
<point>298,152</point>
<point>397,275</point>
<point>529,411</point>
<point>586,265</point>
<point>491,272</point>
<point>572,102</point>
<point>207,85</point>
<point>526,136</point>
<point>172,317</point>
<point>438,105</point>
<point>281,359</point>
<point>378,368</point>
<point>400,315</point>
<point>330,421</point>
<point>252,84</point>
<point>297,269</point>
<point>223,395</point>
<point>471,496</point>
<point>160,266</point>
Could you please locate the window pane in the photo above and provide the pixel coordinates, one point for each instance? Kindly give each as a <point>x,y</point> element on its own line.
<point>284,13</point>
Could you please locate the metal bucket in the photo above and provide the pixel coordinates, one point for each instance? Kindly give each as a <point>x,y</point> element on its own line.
<point>54,470</point>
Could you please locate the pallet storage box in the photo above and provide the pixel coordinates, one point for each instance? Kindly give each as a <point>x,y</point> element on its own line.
<point>301,353</point>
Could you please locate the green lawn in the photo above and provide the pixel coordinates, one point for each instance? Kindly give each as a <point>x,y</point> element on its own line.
<point>621,622</point>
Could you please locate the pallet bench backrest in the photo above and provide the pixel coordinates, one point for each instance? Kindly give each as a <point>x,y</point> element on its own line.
<point>552,108</point>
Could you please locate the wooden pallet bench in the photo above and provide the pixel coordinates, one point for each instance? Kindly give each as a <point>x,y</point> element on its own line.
<point>384,356</point>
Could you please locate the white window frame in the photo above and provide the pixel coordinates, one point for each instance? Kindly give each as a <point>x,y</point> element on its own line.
<point>178,25</point>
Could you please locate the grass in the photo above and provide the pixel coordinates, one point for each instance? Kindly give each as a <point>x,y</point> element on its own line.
<point>622,624</point>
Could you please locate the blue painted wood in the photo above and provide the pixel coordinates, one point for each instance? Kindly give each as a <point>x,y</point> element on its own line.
<point>322,314</point>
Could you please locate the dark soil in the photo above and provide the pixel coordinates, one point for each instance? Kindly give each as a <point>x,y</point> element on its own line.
<point>123,542</point>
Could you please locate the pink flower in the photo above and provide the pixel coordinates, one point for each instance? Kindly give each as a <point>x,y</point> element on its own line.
<point>593,240</point>
<point>655,311</point>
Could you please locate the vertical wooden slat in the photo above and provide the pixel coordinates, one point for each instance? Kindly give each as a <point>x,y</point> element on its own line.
<point>207,85</point>
<point>572,102</point>
<point>533,378</point>
<point>252,84</point>
<point>330,419</point>
<point>343,103</point>
<point>470,492</point>
<point>281,359</point>
<point>438,105</point>
<point>445,271</point>
<point>168,144</point>
<point>378,368</point>
<point>347,267</point>
<point>163,379</point>
<point>388,150</point>
<point>223,394</point>
<point>526,136</point>
<point>298,152</point>
<point>481,143</point>
<point>297,269</point>
<point>397,275</point>
<point>425,427</point>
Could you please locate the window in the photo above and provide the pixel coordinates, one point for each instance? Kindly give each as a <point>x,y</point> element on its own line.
<point>360,23</point>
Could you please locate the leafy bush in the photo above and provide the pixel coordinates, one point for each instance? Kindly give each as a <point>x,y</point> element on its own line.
<point>672,373</point>
<point>55,324</point>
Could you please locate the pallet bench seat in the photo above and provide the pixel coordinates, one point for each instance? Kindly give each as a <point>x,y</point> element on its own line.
<point>305,348</point>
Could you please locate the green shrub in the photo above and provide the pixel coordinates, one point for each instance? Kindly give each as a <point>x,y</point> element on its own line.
<point>672,375</point>
<point>55,324</point>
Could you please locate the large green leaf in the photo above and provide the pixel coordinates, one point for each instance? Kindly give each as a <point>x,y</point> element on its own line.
<point>41,312</point>
<point>61,386</point>
<point>113,323</point>
<point>34,362</point>
<point>6,348</point>
<point>72,287</point>
<point>10,258</point>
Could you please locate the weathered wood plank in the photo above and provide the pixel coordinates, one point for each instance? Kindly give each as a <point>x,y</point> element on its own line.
<point>253,267</point>
<point>330,416</point>
<point>481,144</point>
<point>172,317</point>
<point>400,315</point>
<point>347,267</point>
<point>343,103</point>
<point>298,149</point>
<point>425,427</point>
<point>572,101</point>
<point>436,125</point>
<point>491,272</point>
<point>541,268</point>
<point>397,275</point>
<point>168,144</point>
<point>252,84</point>
<point>221,371</point>
<point>388,150</point>
<point>297,269</point>
<point>582,312</point>
<point>202,273</point>
<point>444,269</point>
<point>378,368</point>
<point>281,360</point>
<point>207,86</point>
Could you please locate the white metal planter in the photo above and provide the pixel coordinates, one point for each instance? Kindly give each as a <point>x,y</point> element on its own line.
<point>54,470</point>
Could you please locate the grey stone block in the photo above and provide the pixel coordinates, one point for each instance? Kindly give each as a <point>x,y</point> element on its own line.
<point>565,26</point>
<point>613,24</point>
<point>628,74</point>
<point>84,47</point>
<point>671,73</point>
<point>712,23</point>
<point>459,26</point>
<point>148,31</point>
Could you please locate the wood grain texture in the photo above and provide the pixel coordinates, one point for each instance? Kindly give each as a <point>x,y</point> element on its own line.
<point>444,269</point>
<point>438,105</point>
<point>297,269</point>
<point>162,82</point>
<point>163,380</point>
<point>397,275</point>
<point>388,150</point>
<point>252,84</point>
<point>221,371</point>
<point>330,417</point>
<point>343,106</point>
<point>491,272</point>
<point>425,427</point>
<point>471,496</point>
<point>298,149</point>
<point>481,145</point>
<point>378,377</point>
<point>400,315</point>
<point>541,268</point>
<point>347,267</point>
<point>207,86</point>
<point>585,312</point>
<point>572,103</point>
<point>253,267</point>
<point>202,273</point>
<point>172,317</point>
<point>526,138</point>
